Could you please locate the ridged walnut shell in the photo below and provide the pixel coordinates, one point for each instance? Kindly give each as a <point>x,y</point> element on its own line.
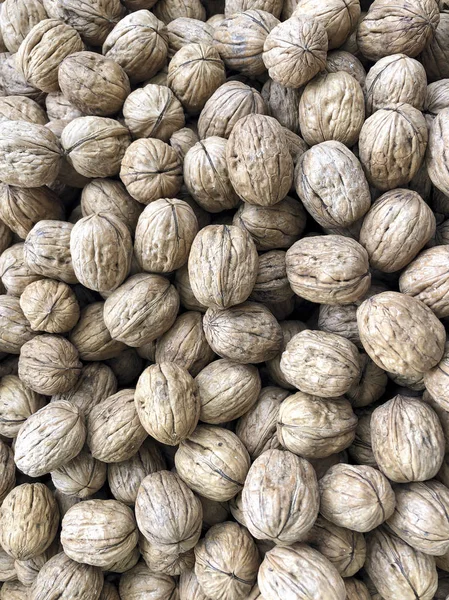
<point>185,30</point>
<point>340,60</point>
<point>17,19</point>
<point>158,561</point>
<point>189,587</point>
<point>437,381</point>
<point>282,104</point>
<point>371,385</point>
<point>238,6</point>
<point>17,403</point>
<point>140,582</point>
<point>82,476</point>
<point>15,273</point>
<point>437,163</point>
<point>15,329</point>
<point>338,17</point>
<point>50,306</point>
<point>168,10</point>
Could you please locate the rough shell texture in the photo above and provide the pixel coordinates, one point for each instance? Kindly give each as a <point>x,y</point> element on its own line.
<point>15,329</point>
<point>159,561</point>
<point>17,19</point>
<point>282,104</point>
<point>185,30</point>
<point>81,477</point>
<point>338,17</point>
<point>13,83</point>
<point>340,60</point>
<point>238,6</point>
<point>15,272</point>
<point>140,582</point>
<point>434,56</point>
<point>17,403</point>
<point>7,471</point>
<point>50,306</point>
<point>371,385</point>
<point>60,109</point>
<point>356,589</point>
<point>436,381</point>
<point>168,10</point>
<point>437,163</point>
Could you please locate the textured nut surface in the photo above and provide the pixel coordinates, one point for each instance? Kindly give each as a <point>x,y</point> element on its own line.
<point>371,385</point>
<point>437,164</point>
<point>338,17</point>
<point>15,330</point>
<point>50,306</point>
<point>21,108</point>
<point>140,580</point>
<point>159,561</point>
<point>81,477</point>
<point>168,10</point>
<point>238,6</point>
<point>17,19</point>
<point>14,270</point>
<point>340,60</point>
<point>436,381</point>
<point>282,104</point>
<point>17,403</point>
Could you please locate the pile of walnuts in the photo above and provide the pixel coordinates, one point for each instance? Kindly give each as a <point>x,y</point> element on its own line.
<point>224,293</point>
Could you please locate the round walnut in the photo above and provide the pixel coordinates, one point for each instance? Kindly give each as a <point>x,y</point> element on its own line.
<point>400,334</point>
<point>213,462</point>
<point>60,109</point>
<point>151,170</point>
<point>49,364</point>
<point>168,513</point>
<point>165,232</point>
<point>114,431</point>
<point>50,306</point>
<point>182,140</point>
<point>17,403</point>
<point>140,582</point>
<point>29,521</point>
<point>371,385</point>
<point>392,145</point>
<point>231,102</point>
<point>332,107</point>
<point>184,30</point>
<point>338,17</point>
<point>21,108</point>
<point>437,164</point>
<point>12,82</point>
<point>15,273</point>
<point>28,570</point>
<point>357,497</point>
<point>299,571</point>
<point>139,44</point>
<point>259,162</point>
<point>158,561</point>
<point>98,532</point>
<point>434,57</point>
<point>340,60</point>
<point>404,28</point>
<point>167,403</point>
<point>330,181</point>
<point>17,18</point>
<point>15,330</point>
<point>169,10</point>
<point>91,337</point>
<point>81,477</point>
<point>227,390</point>
<point>141,309</point>
<point>227,561</point>
<point>283,104</point>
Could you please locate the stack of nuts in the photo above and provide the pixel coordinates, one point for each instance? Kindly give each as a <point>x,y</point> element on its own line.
<point>224,293</point>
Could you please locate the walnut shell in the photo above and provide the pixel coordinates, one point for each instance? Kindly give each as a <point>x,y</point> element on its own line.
<point>282,104</point>
<point>17,19</point>
<point>81,477</point>
<point>186,295</point>
<point>403,28</point>
<point>28,570</point>
<point>259,162</point>
<point>29,521</point>
<point>125,563</point>
<point>436,381</point>
<point>13,590</point>
<point>15,273</point>
<point>139,44</point>
<point>151,170</point>
<point>15,330</point>
<point>50,306</point>
<point>158,561</point>
<point>358,497</point>
<point>182,141</point>
<point>169,10</point>
<point>434,57</point>
<point>7,567</point>
<point>213,462</point>
<point>370,386</point>
<point>338,17</point>
<point>238,6</point>
<point>189,587</point>
<point>185,30</point>
<point>12,82</point>
<point>17,403</point>
<point>140,581</point>
<point>7,471</point>
<point>400,334</point>
<point>299,570</point>
<point>109,592</point>
<point>437,165</point>
<point>127,366</point>
<point>340,319</point>
<point>21,108</point>
<point>272,285</point>
<point>227,560</point>
<point>98,532</point>
<point>59,108</point>
<point>231,102</point>
<point>340,60</point>
<point>356,589</point>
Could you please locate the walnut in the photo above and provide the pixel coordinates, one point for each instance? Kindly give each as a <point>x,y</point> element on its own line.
<point>81,477</point>
<point>168,513</point>
<point>29,521</point>
<point>15,273</point>
<point>283,104</point>
<point>370,386</point>
<point>21,108</point>
<point>259,162</point>
<point>5,237</point>
<point>98,532</point>
<point>400,334</point>
<point>227,561</point>
<point>127,366</point>
<point>17,403</point>
<point>404,28</point>
<point>13,83</point>
<point>184,30</point>
<point>338,17</point>
<point>186,295</point>
<point>341,320</point>
<point>95,146</point>
<point>114,431</point>
<point>151,170</point>
<point>109,592</point>
<point>7,471</point>
<point>158,561</point>
<point>127,315</point>
<point>140,581</point>
<point>295,51</point>
<point>436,100</point>
<point>17,19</point>
<point>231,102</point>
<point>340,60</point>
<point>213,462</point>
<point>356,589</point>
<point>391,161</point>
<point>289,329</point>
<point>437,165</point>
<point>15,329</point>
<point>435,55</point>
<point>139,44</point>
<point>239,6</point>
<point>59,108</point>
<point>169,10</point>
<point>272,285</point>
<point>91,337</point>
<point>299,570</point>
<point>7,567</point>
<point>189,587</point>
<point>125,563</point>
<point>436,381</point>
<point>182,141</point>
<point>50,306</point>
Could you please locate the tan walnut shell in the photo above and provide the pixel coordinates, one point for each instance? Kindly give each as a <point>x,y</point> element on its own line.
<point>436,381</point>
<point>272,285</point>
<point>338,17</point>
<point>185,30</point>
<point>356,589</point>
<point>81,477</point>
<point>29,521</point>
<point>213,462</point>
<point>50,306</point>
<point>168,513</point>
<point>400,334</point>
<point>98,532</point>
<point>435,54</point>
<point>15,273</point>
<point>140,581</point>
<point>283,104</point>
<point>17,19</point>
<point>237,6</point>
<point>259,162</point>
<point>15,329</point>
<point>168,10</point>
<point>437,163</point>
<point>371,385</point>
<point>341,60</point>
<point>17,403</point>
<point>182,140</point>
<point>159,561</point>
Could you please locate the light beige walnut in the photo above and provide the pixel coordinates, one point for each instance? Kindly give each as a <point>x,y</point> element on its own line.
<point>183,140</point>
<point>239,6</point>
<point>98,532</point>
<point>151,170</point>
<point>338,17</point>
<point>17,403</point>
<point>60,109</point>
<point>282,104</point>
<point>186,295</point>
<point>340,60</point>
<point>437,163</point>
<point>169,10</point>
<point>185,30</point>
<point>21,108</point>
<point>80,477</point>
<point>139,44</point>
<point>140,580</point>
<point>370,386</point>
<point>357,497</point>
<point>15,330</point>
<point>29,521</point>
<point>12,82</point>
<point>434,57</point>
<point>189,587</point>
<point>231,102</point>
<point>17,19</point>
<point>436,100</point>
<point>213,462</point>
<point>299,570</point>
<point>356,589</point>
<point>159,561</point>
<point>91,337</point>
<point>125,563</point>
<point>400,334</point>
<point>15,273</point>
<point>295,51</point>
<point>403,28</point>
<point>436,381</point>
<point>50,306</point>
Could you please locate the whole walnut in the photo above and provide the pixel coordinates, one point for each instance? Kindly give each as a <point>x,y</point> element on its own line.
<point>344,548</point>
<point>151,170</point>
<point>159,561</point>
<point>371,385</point>
<point>435,55</point>
<point>7,471</point>
<point>81,477</point>
<point>436,381</point>
<point>114,431</point>
<point>95,146</point>
<point>340,60</point>
<point>182,141</point>
<point>13,83</point>
<point>403,28</point>
<point>139,44</point>
<point>91,337</point>
<point>315,427</point>
<point>259,162</point>
<point>282,104</point>
<point>338,17</point>
<point>98,532</point>
<point>332,107</point>
<point>15,273</point>
<point>231,102</point>
<point>289,329</point>
<point>356,589</point>
<point>436,100</point>
<point>17,19</point>
<point>272,285</point>
<point>126,311</point>
<point>336,274</point>
<point>227,561</point>
<point>15,329</point>
<point>437,165</point>
<point>189,587</point>
<point>168,513</point>
<point>164,235</point>
<point>169,10</point>
<point>247,333</point>
<point>14,590</point>
<point>21,108</point>
<point>140,582</point>
<point>49,364</point>
<point>213,462</point>
<point>60,109</point>
<point>400,334</point>
<point>50,306</point>
<point>47,251</point>
<point>238,6</point>
<point>331,184</point>
<point>226,390</point>
<point>391,160</point>
<point>185,30</point>
<point>17,403</point>
<point>30,154</point>
<point>29,521</point>
<point>299,570</point>
<point>124,477</point>
<point>421,516</point>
